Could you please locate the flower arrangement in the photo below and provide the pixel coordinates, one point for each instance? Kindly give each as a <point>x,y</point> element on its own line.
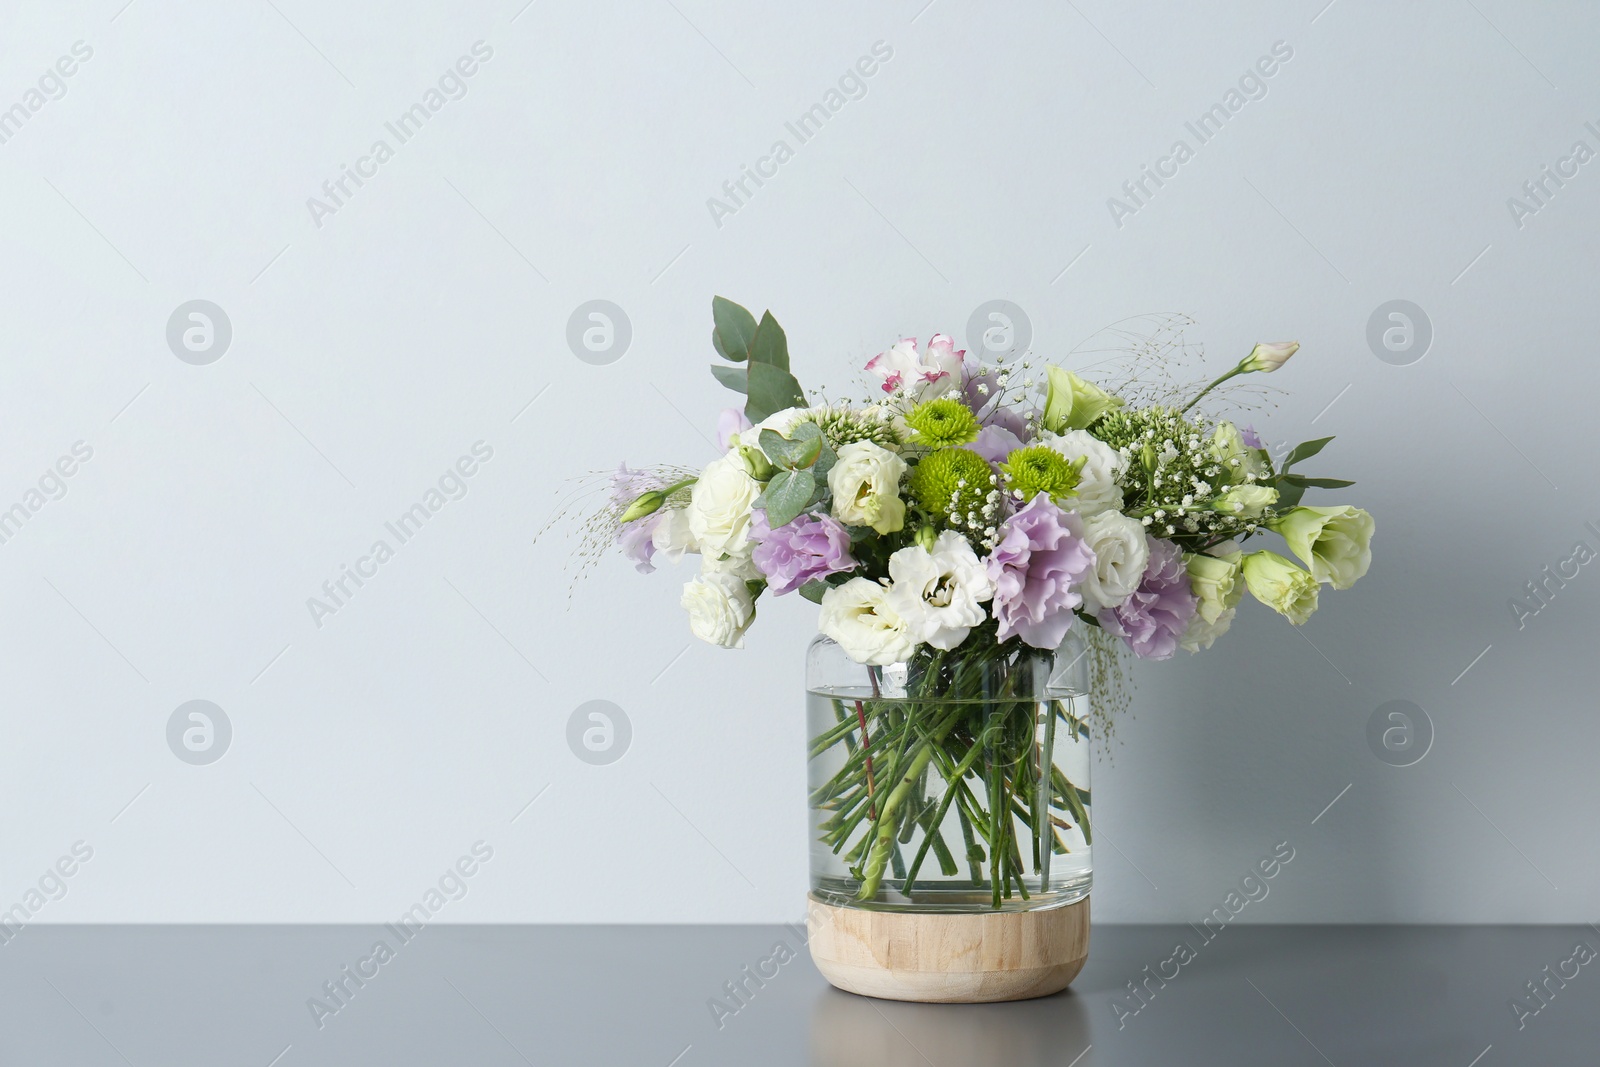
<point>960,524</point>
<point>958,510</point>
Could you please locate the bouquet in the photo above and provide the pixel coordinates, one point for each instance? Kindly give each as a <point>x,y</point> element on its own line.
<point>955,529</point>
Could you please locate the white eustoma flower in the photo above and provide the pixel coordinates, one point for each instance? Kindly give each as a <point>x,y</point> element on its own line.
<point>1200,634</point>
<point>719,507</point>
<point>1216,580</point>
<point>782,422</point>
<point>720,609</point>
<point>1097,481</point>
<point>858,616</point>
<point>865,482</point>
<point>672,536</point>
<point>940,593</point>
<point>1121,553</point>
<point>1336,542</point>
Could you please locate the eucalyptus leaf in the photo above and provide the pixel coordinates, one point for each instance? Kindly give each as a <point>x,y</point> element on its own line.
<point>1305,450</point>
<point>770,345</point>
<point>734,378</point>
<point>795,452</point>
<point>772,389</point>
<point>787,496</point>
<point>814,589</point>
<point>735,329</point>
<point>825,461</point>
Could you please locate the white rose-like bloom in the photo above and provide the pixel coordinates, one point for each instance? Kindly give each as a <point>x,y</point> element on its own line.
<point>783,422</point>
<point>1200,634</point>
<point>740,563</point>
<point>1097,482</point>
<point>1121,553</point>
<point>672,536</point>
<point>719,507</point>
<point>858,616</point>
<point>720,609</point>
<point>865,482</point>
<point>940,593</point>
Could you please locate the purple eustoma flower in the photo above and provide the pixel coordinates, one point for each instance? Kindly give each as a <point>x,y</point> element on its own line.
<point>995,443</point>
<point>1153,619</point>
<point>635,537</point>
<point>730,422</point>
<point>1248,435</point>
<point>1040,557</point>
<point>810,547</point>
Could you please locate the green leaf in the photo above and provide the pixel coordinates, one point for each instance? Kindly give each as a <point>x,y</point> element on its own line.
<point>769,345</point>
<point>772,389</point>
<point>1289,494</point>
<point>1305,450</point>
<point>732,377</point>
<point>1316,483</point>
<point>825,461</point>
<point>814,589</point>
<point>795,452</point>
<point>735,329</point>
<point>787,496</point>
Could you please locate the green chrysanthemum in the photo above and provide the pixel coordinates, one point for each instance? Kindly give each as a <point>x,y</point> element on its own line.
<point>1041,469</point>
<point>942,423</point>
<point>953,484</point>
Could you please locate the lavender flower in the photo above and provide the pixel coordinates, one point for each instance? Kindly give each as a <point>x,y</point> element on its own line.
<point>1153,619</point>
<point>995,443</point>
<point>810,547</point>
<point>635,538</point>
<point>1248,435</point>
<point>730,422</point>
<point>1040,556</point>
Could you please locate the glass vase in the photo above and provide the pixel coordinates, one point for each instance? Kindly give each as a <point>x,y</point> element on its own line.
<point>956,782</point>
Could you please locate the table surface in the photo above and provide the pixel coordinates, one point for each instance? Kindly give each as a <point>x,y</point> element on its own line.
<point>670,996</point>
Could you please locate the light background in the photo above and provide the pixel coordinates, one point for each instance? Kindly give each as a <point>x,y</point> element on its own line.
<point>430,312</point>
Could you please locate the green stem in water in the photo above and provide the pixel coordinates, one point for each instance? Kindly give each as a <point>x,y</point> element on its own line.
<point>878,856</point>
<point>953,779</point>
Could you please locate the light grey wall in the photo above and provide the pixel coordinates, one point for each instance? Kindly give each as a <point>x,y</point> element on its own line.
<point>374,346</point>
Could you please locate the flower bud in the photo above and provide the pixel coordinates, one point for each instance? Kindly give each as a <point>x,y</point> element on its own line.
<point>647,503</point>
<point>756,463</point>
<point>1267,358</point>
<point>1072,403</point>
<point>927,537</point>
<point>1245,501</point>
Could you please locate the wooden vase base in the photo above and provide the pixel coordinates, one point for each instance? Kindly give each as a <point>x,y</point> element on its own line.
<point>942,958</point>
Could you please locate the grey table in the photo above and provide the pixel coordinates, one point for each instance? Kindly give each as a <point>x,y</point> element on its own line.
<point>690,995</point>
